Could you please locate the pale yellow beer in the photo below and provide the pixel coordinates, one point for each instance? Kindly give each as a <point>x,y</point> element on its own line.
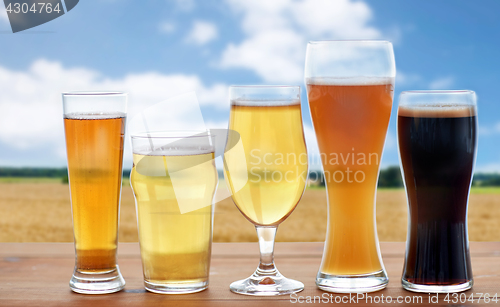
<point>265,165</point>
<point>275,157</point>
<point>174,194</point>
<point>94,145</point>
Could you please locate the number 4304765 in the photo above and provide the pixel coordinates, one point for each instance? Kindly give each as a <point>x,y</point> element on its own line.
<point>462,298</point>
<point>17,8</point>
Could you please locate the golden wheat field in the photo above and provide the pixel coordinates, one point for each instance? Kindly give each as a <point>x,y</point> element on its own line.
<point>40,212</point>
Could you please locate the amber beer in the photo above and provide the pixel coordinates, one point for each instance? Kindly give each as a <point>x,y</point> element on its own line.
<point>275,157</point>
<point>350,120</point>
<point>95,153</point>
<point>94,123</point>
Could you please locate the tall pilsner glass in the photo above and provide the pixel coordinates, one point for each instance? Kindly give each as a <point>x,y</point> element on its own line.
<point>437,137</point>
<point>350,87</point>
<point>265,165</point>
<point>95,126</point>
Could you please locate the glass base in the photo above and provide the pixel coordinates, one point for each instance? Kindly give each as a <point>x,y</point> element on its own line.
<point>175,288</point>
<point>266,285</point>
<point>262,284</point>
<point>364,283</point>
<point>97,283</point>
<point>436,288</point>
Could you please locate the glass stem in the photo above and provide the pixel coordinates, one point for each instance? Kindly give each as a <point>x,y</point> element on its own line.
<point>266,245</point>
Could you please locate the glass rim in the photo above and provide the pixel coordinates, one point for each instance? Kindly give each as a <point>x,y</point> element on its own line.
<point>172,134</point>
<point>264,86</point>
<point>319,42</point>
<point>437,92</point>
<point>265,95</point>
<point>95,93</point>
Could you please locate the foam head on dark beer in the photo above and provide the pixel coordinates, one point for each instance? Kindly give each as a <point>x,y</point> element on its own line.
<point>437,104</point>
<point>444,111</point>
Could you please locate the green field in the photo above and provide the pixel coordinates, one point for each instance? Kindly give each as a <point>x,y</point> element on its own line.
<point>42,180</point>
<point>30,180</point>
<point>485,190</point>
<point>473,190</point>
<point>126,182</point>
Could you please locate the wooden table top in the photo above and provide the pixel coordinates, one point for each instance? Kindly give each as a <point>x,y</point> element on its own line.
<point>37,274</point>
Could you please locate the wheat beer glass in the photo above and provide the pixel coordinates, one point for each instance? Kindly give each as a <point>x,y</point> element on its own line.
<point>350,88</point>
<point>266,170</point>
<point>437,137</point>
<point>95,126</point>
<point>174,180</point>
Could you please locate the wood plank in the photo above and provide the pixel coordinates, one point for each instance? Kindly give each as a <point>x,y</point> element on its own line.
<point>35,274</point>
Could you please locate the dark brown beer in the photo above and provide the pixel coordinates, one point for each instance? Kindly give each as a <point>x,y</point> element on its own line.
<point>437,147</point>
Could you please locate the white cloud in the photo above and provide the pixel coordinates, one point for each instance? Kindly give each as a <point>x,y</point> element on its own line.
<point>487,168</point>
<point>4,18</point>
<point>394,34</point>
<point>261,15</point>
<point>166,27</point>
<point>483,130</point>
<point>342,19</point>
<point>184,5</point>
<point>495,129</point>
<point>405,79</point>
<point>31,102</point>
<point>444,83</point>
<point>276,56</point>
<point>202,33</point>
<point>277,32</point>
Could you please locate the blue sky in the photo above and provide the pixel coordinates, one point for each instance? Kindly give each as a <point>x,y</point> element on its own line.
<point>158,49</point>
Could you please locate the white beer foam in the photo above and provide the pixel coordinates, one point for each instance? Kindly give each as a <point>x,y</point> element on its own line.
<point>94,115</point>
<point>445,110</point>
<point>264,103</point>
<point>350,81</point>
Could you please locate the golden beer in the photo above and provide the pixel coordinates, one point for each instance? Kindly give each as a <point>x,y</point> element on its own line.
<point>174,196</point>
<point>350,121</point>
<point>275,157</point>
<point>265,165</point>
<point>94,145</point>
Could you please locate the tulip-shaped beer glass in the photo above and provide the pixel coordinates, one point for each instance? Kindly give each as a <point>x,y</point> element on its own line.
<point>265,165</point>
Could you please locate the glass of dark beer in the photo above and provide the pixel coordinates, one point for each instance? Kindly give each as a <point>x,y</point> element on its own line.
<point>437,136</point>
